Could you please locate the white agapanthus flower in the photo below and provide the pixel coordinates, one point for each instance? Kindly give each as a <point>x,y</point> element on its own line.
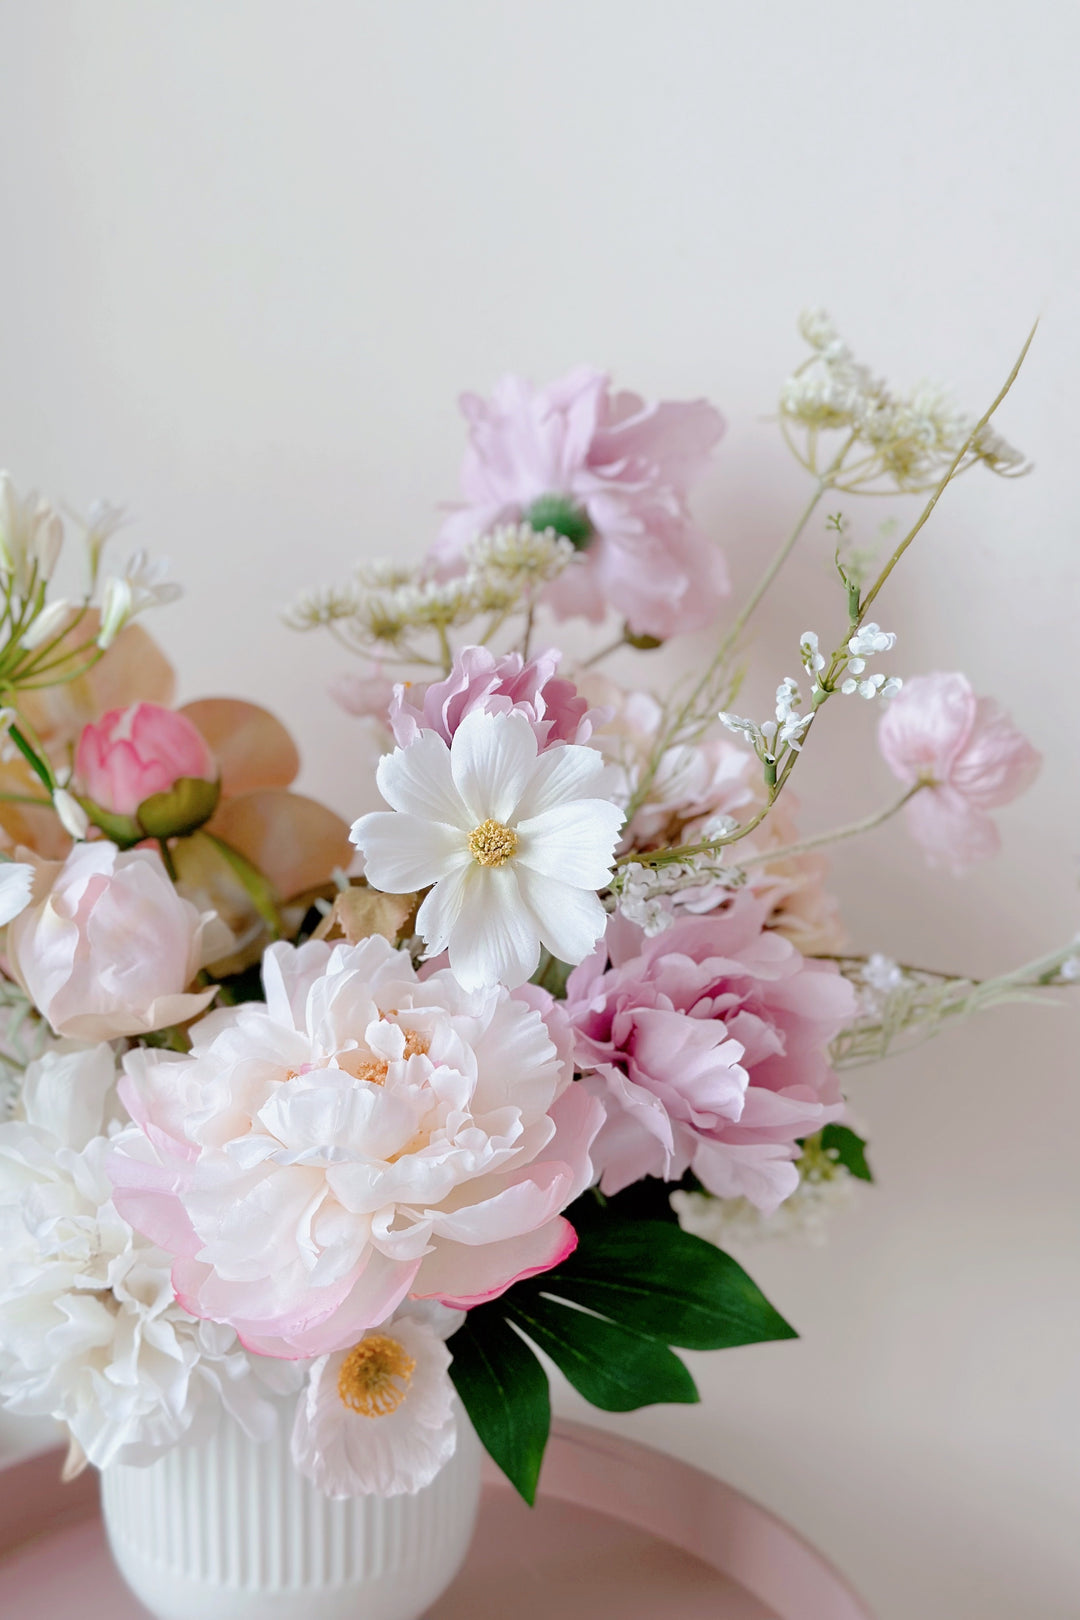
<point>143,584</point>
<point>804,1216</point>
<point>379,1418</point>
<point>90,1330</point>
<point>31,536</point>
<point>515,842</point>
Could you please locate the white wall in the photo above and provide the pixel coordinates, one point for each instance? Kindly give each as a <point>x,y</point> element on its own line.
<point>251,251</point>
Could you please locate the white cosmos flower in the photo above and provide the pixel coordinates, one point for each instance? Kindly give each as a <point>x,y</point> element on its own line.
<point>16,887</point>
<point>90,1330</point>
<point>516,842</point>
<point>380,1417</point>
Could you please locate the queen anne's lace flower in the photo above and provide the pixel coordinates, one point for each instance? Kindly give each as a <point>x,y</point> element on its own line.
<point>379,1417</point>
<point>514,841</point>
<point>90,1330</point>
<point>363,1136</point>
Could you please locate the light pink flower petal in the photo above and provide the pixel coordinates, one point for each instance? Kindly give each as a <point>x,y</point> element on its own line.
<point>462,1277</point>
<point>950,829</point>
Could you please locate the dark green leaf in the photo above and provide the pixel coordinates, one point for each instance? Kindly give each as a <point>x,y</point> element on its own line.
<point>848,1148</point>
<point>504,1389</point>
<point>662,1281</point>
<point>614,1367</point>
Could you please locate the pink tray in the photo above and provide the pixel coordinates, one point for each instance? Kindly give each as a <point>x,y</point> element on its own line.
<point>619,1529</point>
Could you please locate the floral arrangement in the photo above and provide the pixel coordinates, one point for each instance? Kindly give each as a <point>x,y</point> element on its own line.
<point>347,1127</point>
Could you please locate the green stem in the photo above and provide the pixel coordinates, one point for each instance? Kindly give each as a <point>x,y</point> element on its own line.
<point>166,856</point>
<point>853,830</point>
<point>38,765</point>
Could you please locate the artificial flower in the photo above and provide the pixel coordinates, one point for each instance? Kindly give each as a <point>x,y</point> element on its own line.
<point>379,1418</point>
<point>708,1046</point>
<point>515,842</point>
<point>16,888</point>
<point>496,685</point>
<point>362,1136</point>
<point>610,472</point>
<point>107,947</point>
<point>90,1331</point>
<point>131,754</point>
<point>968,754</point>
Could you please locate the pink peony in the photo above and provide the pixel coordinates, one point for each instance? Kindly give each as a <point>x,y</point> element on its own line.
<point>107,947</point>
<point>937,731</point>
<point>611,472</point>
<point>362,1137</point>
<point>708,1046</point>
<point>503,685</point>
<point>130,754</point>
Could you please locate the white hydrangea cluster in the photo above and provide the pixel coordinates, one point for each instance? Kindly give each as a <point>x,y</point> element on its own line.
<point>908,440</point>
<point>91,1333</point>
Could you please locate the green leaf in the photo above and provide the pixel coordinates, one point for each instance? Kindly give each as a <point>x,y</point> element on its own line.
<point>613,1366</point>
<point>848,1148</point>
<point>504,1389</point>
<point>655,1278</point>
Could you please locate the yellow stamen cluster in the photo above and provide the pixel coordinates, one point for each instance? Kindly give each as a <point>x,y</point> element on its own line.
<point>492,844</point>
<point>375,1376</point>
<point>374,1070</point>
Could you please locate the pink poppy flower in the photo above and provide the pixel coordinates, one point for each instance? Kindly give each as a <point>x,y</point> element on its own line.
<point>971,755</point>
<point>708,1047</point>
<point>612,473</point>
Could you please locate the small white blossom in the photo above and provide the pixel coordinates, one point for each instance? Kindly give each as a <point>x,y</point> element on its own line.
<point>50,622</point>
<point>812,657</point>
<point>870,639</point>
<point>518,552</point>
<point>142,585</point>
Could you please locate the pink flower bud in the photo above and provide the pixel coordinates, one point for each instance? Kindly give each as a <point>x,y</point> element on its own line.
<point>131,754</point>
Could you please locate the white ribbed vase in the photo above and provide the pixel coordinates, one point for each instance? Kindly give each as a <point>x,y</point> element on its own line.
<point>228,1530</point>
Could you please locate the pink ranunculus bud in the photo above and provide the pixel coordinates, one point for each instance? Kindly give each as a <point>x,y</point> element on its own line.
<point>968,752</point>
<point>106,946</point>
<point>131,754</point>
<point>505,684</point>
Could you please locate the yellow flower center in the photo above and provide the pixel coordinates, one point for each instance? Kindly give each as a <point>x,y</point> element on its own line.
<point>375,1376</point>
<point>492,844</point>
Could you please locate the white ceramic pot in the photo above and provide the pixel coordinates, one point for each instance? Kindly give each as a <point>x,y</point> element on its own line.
<point>228,1530</point>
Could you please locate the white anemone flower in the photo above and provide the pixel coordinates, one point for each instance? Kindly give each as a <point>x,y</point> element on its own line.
<point>516,842</point>
<point>16,888</point>
<point>380,1417</point>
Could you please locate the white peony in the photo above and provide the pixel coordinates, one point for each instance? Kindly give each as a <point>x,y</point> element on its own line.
<point>380,1417</point>
<point>516,843</point>
<point>90,1330</point>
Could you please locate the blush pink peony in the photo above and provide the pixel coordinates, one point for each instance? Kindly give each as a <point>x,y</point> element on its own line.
<point>497,685</point>
<point>107,947</point>
<point>130,754</point>
<point>968,752</point>
<point>611,471</point>
<point>360,1138</point>
<point>708,1047</point>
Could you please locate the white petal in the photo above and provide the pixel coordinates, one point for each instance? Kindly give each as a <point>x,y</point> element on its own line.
<point>492,757</point>
<point>403,852</point>
<point>574,842</point>
<point>417,780</point>
<point>16,883</point>
<point>569,772</point>
<point>438,916</point>
<point>495,939</point>
<point>570,921</point>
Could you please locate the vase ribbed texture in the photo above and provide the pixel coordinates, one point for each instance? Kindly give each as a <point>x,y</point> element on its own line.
<point>227,1529</point>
